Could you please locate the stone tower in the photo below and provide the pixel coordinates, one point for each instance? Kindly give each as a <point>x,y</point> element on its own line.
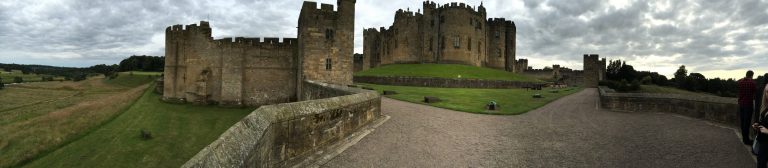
<point>326,42</point>
<point>594,70</point>
<point>453,33</point>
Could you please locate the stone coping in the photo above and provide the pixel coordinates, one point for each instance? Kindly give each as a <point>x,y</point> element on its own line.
<point>240,143</point>
<point>605,91</point>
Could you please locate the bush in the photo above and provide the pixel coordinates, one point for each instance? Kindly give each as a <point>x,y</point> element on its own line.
<point>18,79</point>
<point>111,75</point>
<point>622,86</point>
<point>47,78</point>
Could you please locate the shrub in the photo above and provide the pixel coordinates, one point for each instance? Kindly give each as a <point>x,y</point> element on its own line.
<point>622,86</point>
<point>18,79</point>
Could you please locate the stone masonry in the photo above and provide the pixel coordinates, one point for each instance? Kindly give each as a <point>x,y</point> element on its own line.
<point>453,33</point>
<point>259,71</point>
<point>594,70</point>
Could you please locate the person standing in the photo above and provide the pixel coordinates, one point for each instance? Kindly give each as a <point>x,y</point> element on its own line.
<point>760,126</point>
<point>746,105</point>
<point>761,83</point>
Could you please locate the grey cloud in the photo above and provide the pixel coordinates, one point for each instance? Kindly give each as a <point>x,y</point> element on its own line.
<point>83,33</point>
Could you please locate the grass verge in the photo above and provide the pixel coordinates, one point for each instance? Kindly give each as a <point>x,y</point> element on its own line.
<point>511,101</point>
<point>451,71</point>
<point>179,131</point>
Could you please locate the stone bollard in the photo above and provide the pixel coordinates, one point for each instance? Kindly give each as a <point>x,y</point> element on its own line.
<point>390,92</point>
<point>430,99</point>
<point>146,135</point>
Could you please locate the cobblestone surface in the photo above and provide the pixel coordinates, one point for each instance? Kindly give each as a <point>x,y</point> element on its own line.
<point>570,132</point>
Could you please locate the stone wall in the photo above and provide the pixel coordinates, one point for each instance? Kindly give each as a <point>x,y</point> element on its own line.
<point>282,135</point>
<point>229,71</point>
<point>254,71</point>
<point>444,83</point>
<point>712,108</point>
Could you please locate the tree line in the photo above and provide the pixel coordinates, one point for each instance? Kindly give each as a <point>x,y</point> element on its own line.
<point>132,63</point>
<point>623,77</point>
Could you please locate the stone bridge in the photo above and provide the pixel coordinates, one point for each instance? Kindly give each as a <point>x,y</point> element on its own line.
<point>570,132</point>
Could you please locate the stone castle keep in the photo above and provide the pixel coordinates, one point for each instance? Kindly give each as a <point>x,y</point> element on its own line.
<point>253,71</point>
<point>453,33</point>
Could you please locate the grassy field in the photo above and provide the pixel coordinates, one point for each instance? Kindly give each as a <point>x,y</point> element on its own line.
<point>133,79</point>
<point>8,76</point>
<point>663,89</point>
<point>444,71</point>
<point>36,118</point>
<point>179,131</point>
<point>512,101</point>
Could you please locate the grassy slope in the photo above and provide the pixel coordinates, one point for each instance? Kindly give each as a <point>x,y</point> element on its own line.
<point>444,71</point>
<point>512,101</point>
<point>40,117</point>
<point>179,131</point>
<point>133,79</point>
<point>663,89</point>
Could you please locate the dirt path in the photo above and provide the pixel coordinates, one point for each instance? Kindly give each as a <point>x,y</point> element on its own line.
<point>570,132</point>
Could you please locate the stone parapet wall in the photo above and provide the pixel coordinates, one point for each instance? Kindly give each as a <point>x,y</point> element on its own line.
<point>712,108</point>
<point>282,135</point>
<point>443,82</point>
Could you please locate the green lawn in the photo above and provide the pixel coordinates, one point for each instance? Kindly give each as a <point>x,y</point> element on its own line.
<point>512,101</point>
<point>444,71</point>
<point>179,131</point>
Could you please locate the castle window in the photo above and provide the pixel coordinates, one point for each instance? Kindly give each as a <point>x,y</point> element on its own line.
<point>478,47</point>
<point>442,42</point>
<point>469,44</point>
<point>328,34</point>
<point>456,41</point>
<point>498,52</point>
<point>430,44</point>
<point>328,64</point>
<point>497,34</point>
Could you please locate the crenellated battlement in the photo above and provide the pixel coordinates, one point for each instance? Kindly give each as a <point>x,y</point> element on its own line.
<point>430,4</point>
<point>257,42</point>
<point>462,6</point>
<point>204,26</point>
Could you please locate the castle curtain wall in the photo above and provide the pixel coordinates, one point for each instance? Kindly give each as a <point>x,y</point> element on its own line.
<point>243,71</point>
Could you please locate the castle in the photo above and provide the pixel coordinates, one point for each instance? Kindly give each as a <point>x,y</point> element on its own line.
<point>254,71</point>
<point>453,33</point>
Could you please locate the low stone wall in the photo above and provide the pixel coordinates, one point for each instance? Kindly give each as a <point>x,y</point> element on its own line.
<point>282,135</point>
<point>443,82</point>
<point>712,108</point>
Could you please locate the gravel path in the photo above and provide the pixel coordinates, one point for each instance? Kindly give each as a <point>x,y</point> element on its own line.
<point>570,132</point>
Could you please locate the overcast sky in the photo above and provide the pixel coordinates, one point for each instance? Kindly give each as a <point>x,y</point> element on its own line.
<point>719,38</point>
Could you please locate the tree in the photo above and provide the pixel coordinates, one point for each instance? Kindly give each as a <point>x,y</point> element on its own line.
<point>2,85</point>
<point>698,82</point>
<point>612,71</point>
<point>680,75</point>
